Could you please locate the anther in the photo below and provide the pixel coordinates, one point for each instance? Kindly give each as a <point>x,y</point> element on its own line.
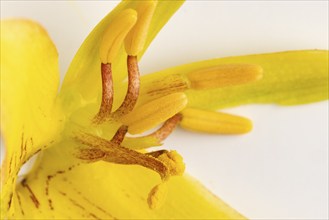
<point>135,40</point>
<point>115,33</point>
<point>214,122</point>
<point>151,114</point>
<point>224,75</point>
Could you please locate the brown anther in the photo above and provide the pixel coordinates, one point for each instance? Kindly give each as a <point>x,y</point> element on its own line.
<point>120,135</point>
<point>133,88</point>
<point>107,94</point>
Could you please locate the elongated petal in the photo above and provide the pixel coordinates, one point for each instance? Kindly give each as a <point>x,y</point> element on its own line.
<point>106,191</point>
<point>289,78</point>
<point>82,83</point>
<point>30,118</point>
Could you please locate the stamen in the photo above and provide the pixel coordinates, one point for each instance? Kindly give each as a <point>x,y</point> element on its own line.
<point>155,138</point>
<point>115,33</point>
<point>133,88</point>
<point>167,128</point>
<point>214,122</point>
<point>136,38</point>
<point>107,94</point>
<point>167,164</point>
<point>120,135</point>
<point>112,41</point>
<point>224,75</point>
<point>151,114</point>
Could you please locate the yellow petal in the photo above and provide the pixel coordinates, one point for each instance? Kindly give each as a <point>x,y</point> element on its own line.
<point>107,191</point>
<point>289,78</point>
<point>214,122</point>
<point>30,117</point>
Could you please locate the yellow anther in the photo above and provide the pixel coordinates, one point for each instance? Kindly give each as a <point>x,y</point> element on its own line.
<point>115,33</point>
<point>157,196</point>
<point>214,122</point>
<point>151,114</point>
<point>136,38</point>
<point>224,75</point>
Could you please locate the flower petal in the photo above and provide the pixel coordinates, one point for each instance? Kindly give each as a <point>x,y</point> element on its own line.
<point>109,191</point>
<point>29,84</point>
<point>289,78</point>
<point>82,83</point>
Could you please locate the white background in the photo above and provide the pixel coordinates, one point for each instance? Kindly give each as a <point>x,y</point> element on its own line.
<point>280,169</point>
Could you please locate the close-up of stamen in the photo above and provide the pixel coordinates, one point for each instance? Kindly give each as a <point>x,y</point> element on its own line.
<point>98,139</point>
<point>149,115</point>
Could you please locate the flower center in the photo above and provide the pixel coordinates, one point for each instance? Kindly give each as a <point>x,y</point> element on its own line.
<point>129,29</point>
<point>160,101</point>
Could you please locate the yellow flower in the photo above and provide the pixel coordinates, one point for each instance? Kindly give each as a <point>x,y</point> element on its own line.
<point>81,131</point>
